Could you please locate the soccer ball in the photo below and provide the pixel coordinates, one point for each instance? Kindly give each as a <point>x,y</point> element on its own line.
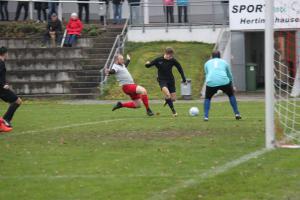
<point>194,111</point>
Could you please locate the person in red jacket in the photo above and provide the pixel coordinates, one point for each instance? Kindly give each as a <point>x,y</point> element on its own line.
<point>74,29</point>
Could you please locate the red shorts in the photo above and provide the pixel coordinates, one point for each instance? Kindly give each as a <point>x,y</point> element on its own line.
<point>130,90</point>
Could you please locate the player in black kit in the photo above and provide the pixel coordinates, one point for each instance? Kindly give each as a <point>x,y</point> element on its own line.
<point>7,95</point>
<point>165,78</point>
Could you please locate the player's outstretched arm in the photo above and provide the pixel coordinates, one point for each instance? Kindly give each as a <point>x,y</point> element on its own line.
<point>229,73</point>
<point>180,70</point>
<point>2,76</point>
<point>150,63</point>
<point>109,71</point>
<point>128,60</point>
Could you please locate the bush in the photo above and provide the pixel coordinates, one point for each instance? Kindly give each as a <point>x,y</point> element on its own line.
<point>32,29</point>
<point>24,29</point>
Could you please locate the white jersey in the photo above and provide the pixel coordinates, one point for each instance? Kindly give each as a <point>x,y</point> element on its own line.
<point>122,74</point>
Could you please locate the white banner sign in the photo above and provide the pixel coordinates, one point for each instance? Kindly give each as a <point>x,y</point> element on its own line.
<point>250,14</point>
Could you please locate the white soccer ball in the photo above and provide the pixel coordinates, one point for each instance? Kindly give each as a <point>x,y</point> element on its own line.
<point>194,111</point>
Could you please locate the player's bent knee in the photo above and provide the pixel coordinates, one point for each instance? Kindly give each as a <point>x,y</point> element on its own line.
<point>168,96</point>
<point>144,91</point>
<point>19,101</point>
<point>138,104</point>
<point>141,90</point>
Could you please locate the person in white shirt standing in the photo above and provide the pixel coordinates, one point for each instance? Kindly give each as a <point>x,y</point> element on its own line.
<point>137,93</point>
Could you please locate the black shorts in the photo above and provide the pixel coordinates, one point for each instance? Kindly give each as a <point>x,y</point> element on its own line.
<point>170,84</point>
<point>211,91</point>
<point>8,96</point>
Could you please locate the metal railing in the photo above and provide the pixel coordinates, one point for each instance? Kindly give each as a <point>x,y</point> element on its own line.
<point>210,13</point>
<point>63,39</point>
<point>61,11</point>
<point>118,47</point>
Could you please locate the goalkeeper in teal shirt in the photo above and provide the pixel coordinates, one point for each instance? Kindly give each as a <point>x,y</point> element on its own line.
<point>218,76</point>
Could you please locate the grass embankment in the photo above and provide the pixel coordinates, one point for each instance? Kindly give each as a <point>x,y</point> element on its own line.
<point>192,57</point>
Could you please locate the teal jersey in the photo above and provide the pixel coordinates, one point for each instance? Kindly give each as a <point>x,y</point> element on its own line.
<point>217,72</point>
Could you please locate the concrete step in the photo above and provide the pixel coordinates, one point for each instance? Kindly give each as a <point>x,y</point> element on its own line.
<point>97,51</point>
<point>45,64</point>
<point>111,34</point>
<point>103,45</point>
<point>98,62</point>
<point>58,75</point>
<point>47,53</point>
<point>95,72</point>
<point>88,79</point>
<point>40,76</point>
<point>115,29</point>
<point>41,87</point>
<point>12,43</point>
<point>84,84</point>
<point>86,90</point>
<point>98,56</point>
<point>93,67</point>
<point>108,39</point>
<point>56,88</point>
<point>87,72</point>
<point>72,72</point>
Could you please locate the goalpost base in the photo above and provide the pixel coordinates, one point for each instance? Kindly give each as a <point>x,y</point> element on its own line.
<point>288,146</point>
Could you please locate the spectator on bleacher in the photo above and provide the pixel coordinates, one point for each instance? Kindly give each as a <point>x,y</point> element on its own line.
<point>106,7</point>
<point>86,7</point>
<point>182,10</point>
<point>41,7</point>
<point>169,10</point>
<point>52,6</point>
<point>54,30</point>
<point>4,11</point>
<point>74,29</point>
<point>25,5</point>
<point>117,7</point>
<point>134,11</point>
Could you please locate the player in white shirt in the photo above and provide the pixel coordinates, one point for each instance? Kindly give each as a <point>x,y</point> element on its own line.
<point>137,93</point>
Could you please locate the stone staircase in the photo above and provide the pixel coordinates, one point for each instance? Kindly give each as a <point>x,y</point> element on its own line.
<point>68,72</point>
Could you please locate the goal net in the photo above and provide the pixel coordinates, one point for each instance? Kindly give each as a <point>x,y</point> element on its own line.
<point>287,82</point>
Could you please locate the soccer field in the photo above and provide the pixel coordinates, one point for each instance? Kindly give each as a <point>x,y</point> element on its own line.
<point>69,152</point>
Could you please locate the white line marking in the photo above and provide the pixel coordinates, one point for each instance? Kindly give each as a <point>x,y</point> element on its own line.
<point>165,194</point>
<point>90,176</point>
<point>32,132</point>
<point>161,195</point>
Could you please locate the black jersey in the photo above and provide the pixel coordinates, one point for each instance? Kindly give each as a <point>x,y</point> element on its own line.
<point>2,74</point>
<point>165,66</point>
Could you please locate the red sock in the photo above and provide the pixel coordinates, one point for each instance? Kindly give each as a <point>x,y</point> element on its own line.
<point>130,104</point>
<point>145,101</point>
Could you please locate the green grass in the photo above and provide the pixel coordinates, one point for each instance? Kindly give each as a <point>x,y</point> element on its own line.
<point>138,157</point>
<point>192,57</point>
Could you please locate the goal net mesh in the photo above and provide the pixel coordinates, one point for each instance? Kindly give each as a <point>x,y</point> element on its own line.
<point>287,86</point>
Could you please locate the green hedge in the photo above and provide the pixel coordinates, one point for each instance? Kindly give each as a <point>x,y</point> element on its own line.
<point>32,29</point>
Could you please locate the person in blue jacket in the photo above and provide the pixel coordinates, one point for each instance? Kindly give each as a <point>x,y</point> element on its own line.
<point>183,10</point>
<point>218,76</point>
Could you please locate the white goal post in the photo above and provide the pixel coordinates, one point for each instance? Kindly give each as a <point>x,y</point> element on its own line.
<point>282,77</point>
<point>269,75</point>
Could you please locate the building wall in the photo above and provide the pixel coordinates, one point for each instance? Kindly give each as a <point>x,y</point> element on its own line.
<point>197,34</point>
<point>238,60</point>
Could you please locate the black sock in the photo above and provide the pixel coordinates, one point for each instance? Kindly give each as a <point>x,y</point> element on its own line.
<point>171,105</point>
<point>10,112</point>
